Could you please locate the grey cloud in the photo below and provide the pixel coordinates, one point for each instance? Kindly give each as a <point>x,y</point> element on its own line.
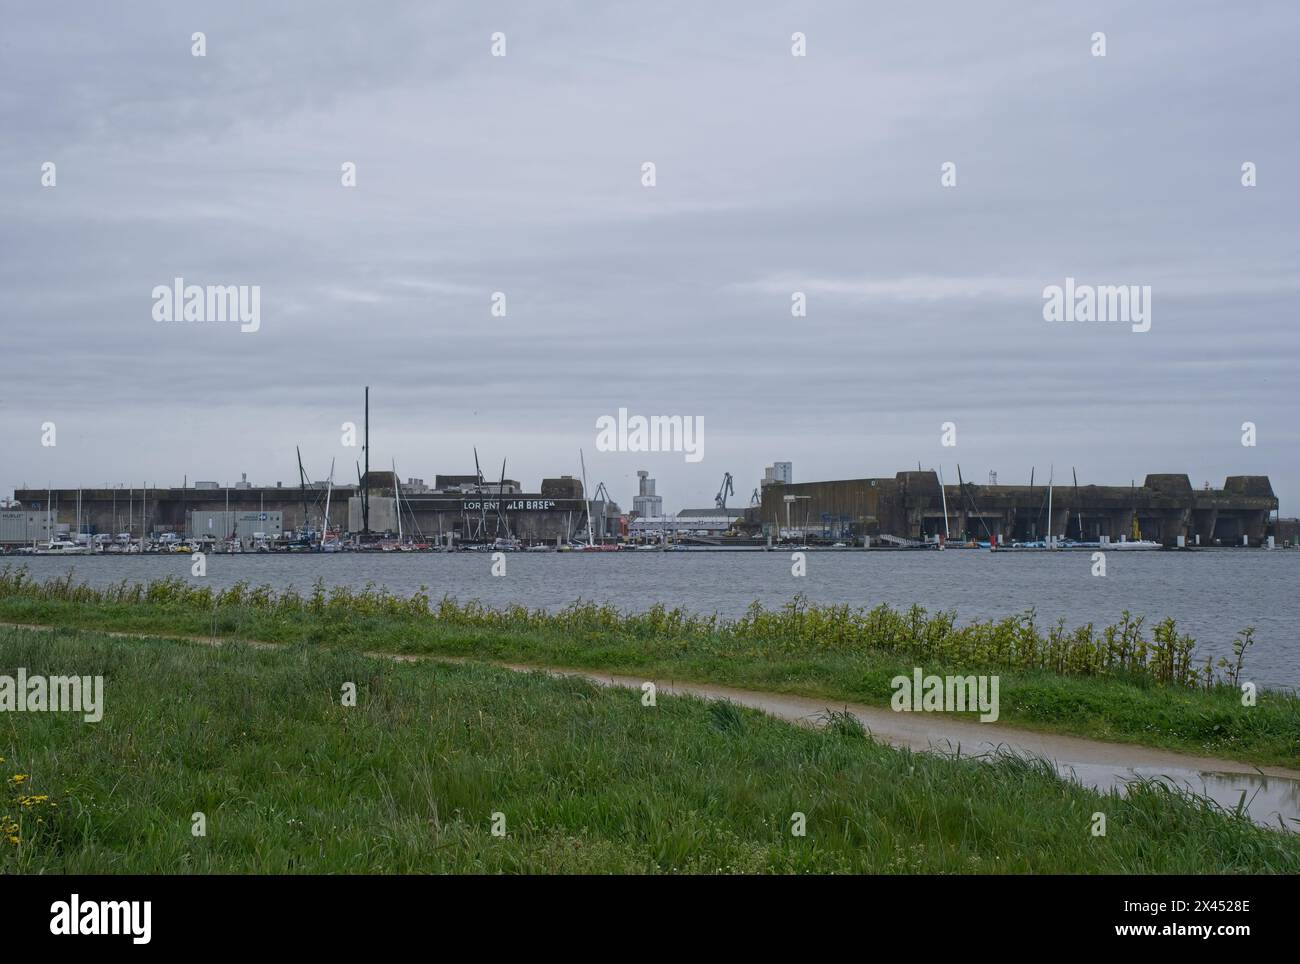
<point>521,175</point>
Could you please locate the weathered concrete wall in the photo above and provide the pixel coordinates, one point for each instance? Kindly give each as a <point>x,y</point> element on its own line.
<point>910,505</point>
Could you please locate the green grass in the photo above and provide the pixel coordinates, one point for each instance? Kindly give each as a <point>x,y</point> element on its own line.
<point>588,780</point>
<point>1136,694</point>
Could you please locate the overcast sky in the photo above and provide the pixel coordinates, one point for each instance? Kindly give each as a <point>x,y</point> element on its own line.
<point>775,174</point>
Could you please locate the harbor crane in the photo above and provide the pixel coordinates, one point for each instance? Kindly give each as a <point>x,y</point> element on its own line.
<point>603,495</point>
<point>720,500</point>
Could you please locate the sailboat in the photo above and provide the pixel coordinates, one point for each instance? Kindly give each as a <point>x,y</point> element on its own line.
<point>328,544</point>
<point>405,542</point>
<point>591,545</point>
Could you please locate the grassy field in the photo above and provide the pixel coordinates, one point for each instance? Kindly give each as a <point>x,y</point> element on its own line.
<point>1118,684</point>
<point>586,780</point>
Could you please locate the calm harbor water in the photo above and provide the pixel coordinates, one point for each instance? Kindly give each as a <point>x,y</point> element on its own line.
<point>1212,594</point>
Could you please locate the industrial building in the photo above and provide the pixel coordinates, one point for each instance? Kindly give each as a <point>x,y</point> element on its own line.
<point>463,506</point>
<point>910,505</point>
<point>697,522</point>
<point>468,512</point>
<point>778,473</point>
<point>469,509</point>
<point>25,527</point>
<point>150,511</point>
<point>645,504</point>
<point>913,505</point>
<point>648,521</point>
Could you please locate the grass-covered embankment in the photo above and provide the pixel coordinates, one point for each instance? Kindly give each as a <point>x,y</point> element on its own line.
<point>586,779</point>
<point>1117,683</point>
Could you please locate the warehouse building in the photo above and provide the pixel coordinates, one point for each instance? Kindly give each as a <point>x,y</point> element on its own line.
<point>24,527</point>
<point>459,505</point>
<point>154,511</point>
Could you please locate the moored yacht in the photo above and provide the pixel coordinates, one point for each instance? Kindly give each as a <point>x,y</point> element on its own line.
<point>62,547</point>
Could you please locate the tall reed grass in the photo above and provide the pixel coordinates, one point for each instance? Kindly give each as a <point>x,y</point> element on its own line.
<point>1017,642</point>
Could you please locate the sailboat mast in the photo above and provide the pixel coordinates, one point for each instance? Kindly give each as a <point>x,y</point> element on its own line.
<point>943,496</point>
<point>1051,538</point>
<point>502,520</point>
<point>329,491</point>
<point>481,533</point>
<point>585,498</point>
<point>365,479</point>
<point>1078,513</point>
<point>302,487</point>
<point>1034,524</point>
<point>397,489</point>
